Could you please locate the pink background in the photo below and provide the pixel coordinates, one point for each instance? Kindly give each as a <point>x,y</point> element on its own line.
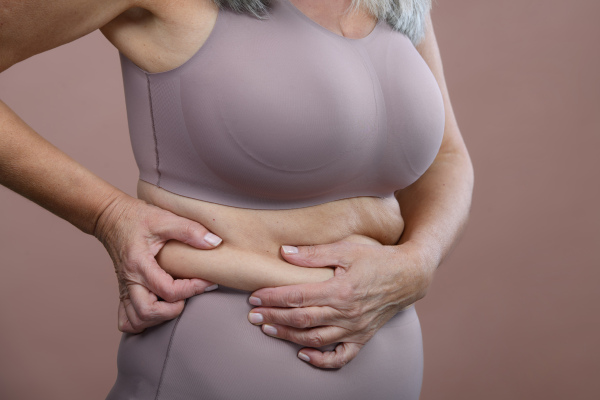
<point>514,311</point>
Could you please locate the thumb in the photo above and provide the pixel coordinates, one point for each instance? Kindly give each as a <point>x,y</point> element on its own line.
<point>343,354</point>
<point>187,231</point>
<point>322,255</point>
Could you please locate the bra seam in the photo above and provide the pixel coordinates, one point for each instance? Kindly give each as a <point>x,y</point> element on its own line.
<point>164,367</point>
<point>153,130</point>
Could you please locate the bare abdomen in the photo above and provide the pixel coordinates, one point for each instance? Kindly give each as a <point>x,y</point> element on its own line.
<point>254,237</point>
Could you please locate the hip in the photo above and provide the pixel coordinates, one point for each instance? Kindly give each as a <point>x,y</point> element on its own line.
<point>211,351</point>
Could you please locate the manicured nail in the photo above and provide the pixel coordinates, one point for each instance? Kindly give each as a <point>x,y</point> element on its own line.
<point>290,249</point>
<point>212,239</point>
<point>269,330</point>
<point>211,288</point>
<point>303,357</point>
<point>255,301</point>
<point>255,318</point>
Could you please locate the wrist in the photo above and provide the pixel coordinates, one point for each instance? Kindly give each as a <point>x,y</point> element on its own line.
<point>426,247</point>
<point>111,211</point>
<point>424,261</point>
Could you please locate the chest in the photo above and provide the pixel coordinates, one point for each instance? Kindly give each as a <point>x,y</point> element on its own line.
<point>284,110</point>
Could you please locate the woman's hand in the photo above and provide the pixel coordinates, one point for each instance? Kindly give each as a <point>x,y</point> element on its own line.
<point>371,284</point>
<point>133,232</point>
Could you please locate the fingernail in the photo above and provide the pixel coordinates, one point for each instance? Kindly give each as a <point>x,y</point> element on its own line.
<point>212,239</point>
<point>303,357</point>
<point>255,318</point>
<point>211,288</point>
<point>269,330</point>
<point>255,301</point>
<point>290,249</point>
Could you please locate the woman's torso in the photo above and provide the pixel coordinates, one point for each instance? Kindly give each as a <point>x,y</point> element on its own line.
<point>368,208</point>
<point>240,361</point>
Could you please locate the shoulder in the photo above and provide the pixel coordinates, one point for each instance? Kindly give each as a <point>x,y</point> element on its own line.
<point>34,26</point>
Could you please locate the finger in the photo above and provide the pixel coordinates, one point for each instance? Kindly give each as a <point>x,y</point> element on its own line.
<point>322,255</point>
<point>343,354</point>
<point>131,322</point>
<point>315,337</point>
<point>304,317</point>
<point>304,295</point>
<point>148,310</point>
<point>158,281</point>
<point>186,231</point>
<point>123,322</point>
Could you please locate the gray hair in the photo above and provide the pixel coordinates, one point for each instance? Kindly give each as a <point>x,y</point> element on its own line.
<point>405,16</point>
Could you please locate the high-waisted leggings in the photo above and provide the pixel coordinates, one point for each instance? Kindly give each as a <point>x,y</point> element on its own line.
<point>211,351</point>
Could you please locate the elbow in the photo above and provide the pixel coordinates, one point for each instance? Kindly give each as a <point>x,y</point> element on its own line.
<point>457,158</point>
<point>462,160</point>
<point>467,174</point>
<point>469,179</point>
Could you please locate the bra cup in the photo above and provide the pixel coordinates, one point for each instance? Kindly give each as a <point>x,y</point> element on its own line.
<point>282,129</point>
<point>415,113</point>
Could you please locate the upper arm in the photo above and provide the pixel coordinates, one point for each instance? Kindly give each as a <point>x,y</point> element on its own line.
<point>34,26</point>
<point>429,50</point>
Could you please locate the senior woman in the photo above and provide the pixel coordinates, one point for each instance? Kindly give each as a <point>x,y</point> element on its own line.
<point>318,147</point>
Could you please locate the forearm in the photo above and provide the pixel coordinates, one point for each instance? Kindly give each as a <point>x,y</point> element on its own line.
<point>235,267</point>
<point>34,168</point>
<point>436,207</point>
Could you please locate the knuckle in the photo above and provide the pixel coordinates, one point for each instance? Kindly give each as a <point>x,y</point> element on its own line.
<point>168,294</point>
<point>146,312</point>
<point>190,230</point>
<point>340,362</point>
<point>295,298</point>
<point>267,298</point>
<point>315,339</point>
<point>363,325</point>
<point>134,324</point>
<point>354,313</point>
<point>301,319</point>
<point>310,251</point>
<point>194,232</point>
<point>331,363</point>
